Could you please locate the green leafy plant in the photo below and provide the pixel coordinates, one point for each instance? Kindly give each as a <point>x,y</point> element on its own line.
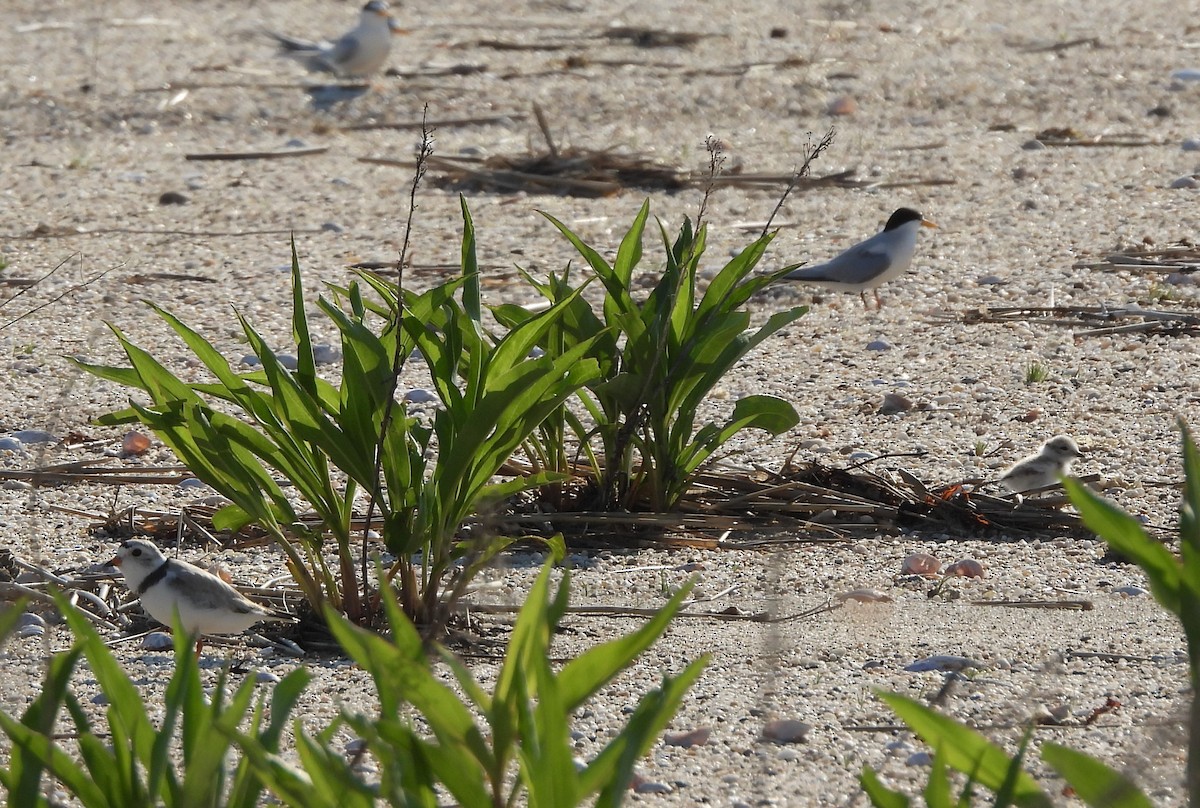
<point>1175,583</point>
<point>180,758</point>
<point>659,358</point>
<point>522,750</point>
<point>333,442</point>
<point>494,395</point>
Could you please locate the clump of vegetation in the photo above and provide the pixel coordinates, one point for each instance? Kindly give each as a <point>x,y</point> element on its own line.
<point>1036,372</point>
<point>197,749</point>
<point>640,370</point>
<point>659,358</point>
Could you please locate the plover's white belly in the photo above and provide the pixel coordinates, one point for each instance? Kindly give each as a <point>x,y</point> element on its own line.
<point>160,602</point>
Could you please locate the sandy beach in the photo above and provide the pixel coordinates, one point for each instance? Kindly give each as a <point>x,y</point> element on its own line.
<point>1041,138</point>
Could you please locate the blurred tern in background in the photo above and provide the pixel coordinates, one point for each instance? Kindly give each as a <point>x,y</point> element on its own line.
<point>359,52</point>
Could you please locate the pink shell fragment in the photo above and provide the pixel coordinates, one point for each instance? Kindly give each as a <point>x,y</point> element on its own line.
<point>134,443</point>
<point>966,568</point>
<point>695,737</point>
<point>920,564</point>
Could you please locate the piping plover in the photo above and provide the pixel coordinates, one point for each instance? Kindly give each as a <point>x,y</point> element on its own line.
<point>1047,467</point>
<point>871,263</point>
<point>360,51</point>
<point>206,604</point>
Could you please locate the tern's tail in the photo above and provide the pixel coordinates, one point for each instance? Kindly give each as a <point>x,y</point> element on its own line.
<point>292,44</point>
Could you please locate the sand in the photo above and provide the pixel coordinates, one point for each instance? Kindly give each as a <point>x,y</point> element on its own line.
<point>942,101</point>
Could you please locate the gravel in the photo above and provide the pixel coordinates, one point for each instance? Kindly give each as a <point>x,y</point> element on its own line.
<point>941,105</point>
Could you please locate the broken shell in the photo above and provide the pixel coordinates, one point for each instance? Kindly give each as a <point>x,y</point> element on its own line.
<point>134,443</point>
<point>894,403</point>
<point>966,568</point>
<point>695,737</point>
<point>786,730</point>
<point>920,564</point>
<point>865,596</point>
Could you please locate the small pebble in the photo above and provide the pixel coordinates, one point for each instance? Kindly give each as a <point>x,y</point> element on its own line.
<point>34,436</point>
<point>842,106</point>
<point>1187,74</point>
<point>266,677</point>
<point>1186,181</point>
<point>288,361</point>
<point>865,596</point>
<point>786,730</point>
<point>941,662</point>
<point>651,787</point>
<point>1130,591</point>
<point>879,345</point>
<point>11,444</point>
<point>919,759</point>
<point>419,395</point>
<point>894,403</point>
<point>172,198</point>
<point>326,355</point>
<point>157,641</point>
<point>332,227</point>
<point>193,482</point>
<point>695,737</point>
<point>1191,144</point>
<point>1033,145</point>
<point>250,360</point>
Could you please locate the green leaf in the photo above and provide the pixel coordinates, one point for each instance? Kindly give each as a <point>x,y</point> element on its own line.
<point>881,796</point>
<point>402,673</point>
<point>33,751</point>
<point>966,751</point>
<point>1125,535</point>
<point>937,790</point>
<point>1094,783</point>
<point>582,677</point>
<point>612,770</point>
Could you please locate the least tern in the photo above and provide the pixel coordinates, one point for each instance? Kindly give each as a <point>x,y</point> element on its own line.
<point>205,603</point>
<point>359,52</point>
<point>871,263</point>
<point>1047,467</point>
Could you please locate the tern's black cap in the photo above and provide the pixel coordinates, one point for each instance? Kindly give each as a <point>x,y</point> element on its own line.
<point>902,216</point>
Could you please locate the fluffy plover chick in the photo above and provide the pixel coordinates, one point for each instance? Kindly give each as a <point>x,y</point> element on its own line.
<point>1051,463</point>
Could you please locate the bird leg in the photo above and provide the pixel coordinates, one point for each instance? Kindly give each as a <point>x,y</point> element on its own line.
<point>863,297</point>
<point>878,301</point>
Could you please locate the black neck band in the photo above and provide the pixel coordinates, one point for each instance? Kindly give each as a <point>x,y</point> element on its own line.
<point>150,580</point>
